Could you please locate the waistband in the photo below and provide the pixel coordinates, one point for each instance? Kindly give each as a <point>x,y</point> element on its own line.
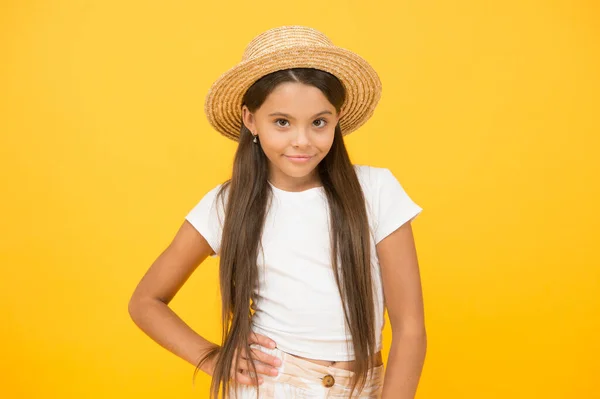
<point>306,374</point>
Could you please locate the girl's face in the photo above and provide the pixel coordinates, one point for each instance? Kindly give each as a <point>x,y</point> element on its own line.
<point>295,127</point>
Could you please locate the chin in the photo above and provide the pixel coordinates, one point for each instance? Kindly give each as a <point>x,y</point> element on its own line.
<point>297,171</point>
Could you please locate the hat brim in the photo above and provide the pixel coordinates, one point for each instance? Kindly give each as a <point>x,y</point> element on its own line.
<point>362,84</point>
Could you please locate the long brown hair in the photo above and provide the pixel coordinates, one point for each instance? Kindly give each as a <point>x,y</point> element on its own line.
<point>247,202</point>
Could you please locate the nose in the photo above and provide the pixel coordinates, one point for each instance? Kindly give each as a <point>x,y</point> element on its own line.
<point>301,138</point>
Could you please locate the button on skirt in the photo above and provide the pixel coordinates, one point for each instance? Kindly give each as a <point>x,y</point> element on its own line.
<point>302,379</point>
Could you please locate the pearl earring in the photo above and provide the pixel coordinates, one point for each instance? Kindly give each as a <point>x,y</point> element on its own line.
<point>255,139</point>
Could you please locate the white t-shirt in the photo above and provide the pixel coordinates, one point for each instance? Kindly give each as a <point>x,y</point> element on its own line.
<point>298,304</point>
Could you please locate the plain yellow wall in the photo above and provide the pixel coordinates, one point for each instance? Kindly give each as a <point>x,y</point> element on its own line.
<point>489,118</point>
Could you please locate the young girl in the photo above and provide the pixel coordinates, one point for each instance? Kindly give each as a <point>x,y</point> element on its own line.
<point>312,248</point>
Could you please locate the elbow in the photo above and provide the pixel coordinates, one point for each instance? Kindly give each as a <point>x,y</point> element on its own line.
<point>417,336</point>
<point>138,305</point>
<point>414,339</point>
<point>135,306</point>
<point>416,332</point>
<point>132,307</point>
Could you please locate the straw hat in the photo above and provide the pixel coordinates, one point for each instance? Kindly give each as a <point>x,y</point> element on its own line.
<point>293,47</point>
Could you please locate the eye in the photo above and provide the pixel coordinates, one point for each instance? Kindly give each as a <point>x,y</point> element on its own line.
<point>278,120</point>
<point>322,120</point>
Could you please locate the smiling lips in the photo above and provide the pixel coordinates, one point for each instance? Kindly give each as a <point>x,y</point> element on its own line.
<point>299,158</point>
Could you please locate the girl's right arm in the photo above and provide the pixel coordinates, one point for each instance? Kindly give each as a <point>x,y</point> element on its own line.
<point>148,306</point>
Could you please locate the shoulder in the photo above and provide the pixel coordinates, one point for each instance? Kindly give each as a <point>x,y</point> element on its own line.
<point>381,187</point>
<point>208,205</point>
<point>388,203</point>
<point>208,214</point>
<point>214,192</point>
<point>372,177</point>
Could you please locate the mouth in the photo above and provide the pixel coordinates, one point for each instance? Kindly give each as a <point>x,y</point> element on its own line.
<point>299,158</point>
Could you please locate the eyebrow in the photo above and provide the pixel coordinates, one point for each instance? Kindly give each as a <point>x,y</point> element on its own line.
<point>291,117</point>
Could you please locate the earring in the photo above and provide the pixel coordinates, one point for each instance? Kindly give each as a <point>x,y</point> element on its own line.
<point>255,139</point>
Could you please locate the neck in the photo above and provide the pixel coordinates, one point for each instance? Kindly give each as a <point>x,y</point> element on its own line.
<point>289,183</point>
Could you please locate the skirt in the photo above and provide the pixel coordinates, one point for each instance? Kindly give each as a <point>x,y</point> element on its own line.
<point>302,379</point>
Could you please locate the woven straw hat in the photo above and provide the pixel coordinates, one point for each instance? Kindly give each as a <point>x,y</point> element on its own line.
<point>293,47</point>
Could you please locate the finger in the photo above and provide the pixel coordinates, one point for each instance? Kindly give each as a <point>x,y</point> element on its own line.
<point>256,338</point>
<point>261,368</point>
<point>246,379</point>
<point>262,356</point>
<point>266,358</point>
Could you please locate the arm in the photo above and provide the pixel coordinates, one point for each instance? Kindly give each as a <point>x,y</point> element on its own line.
<point>148,306</point>
<point>404,302</point>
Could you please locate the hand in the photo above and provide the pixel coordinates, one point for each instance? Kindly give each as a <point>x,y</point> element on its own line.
<point>262,367</point>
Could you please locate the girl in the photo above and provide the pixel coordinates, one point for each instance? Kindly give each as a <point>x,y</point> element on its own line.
<point>312,248</point>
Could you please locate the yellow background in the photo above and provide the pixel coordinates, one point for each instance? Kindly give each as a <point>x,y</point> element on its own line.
<point>489,118</point>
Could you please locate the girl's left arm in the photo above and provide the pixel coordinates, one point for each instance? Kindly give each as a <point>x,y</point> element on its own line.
<point>404,301</point>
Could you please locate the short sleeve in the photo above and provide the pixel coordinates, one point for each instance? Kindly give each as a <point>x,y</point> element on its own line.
<point>392,205</point>
<point>207,217</point>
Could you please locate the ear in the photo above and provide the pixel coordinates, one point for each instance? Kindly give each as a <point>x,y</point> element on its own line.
<point>248,119</point>
<point>341,114</point>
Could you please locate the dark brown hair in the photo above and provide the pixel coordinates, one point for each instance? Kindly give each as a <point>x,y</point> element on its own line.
<point>246,207</point>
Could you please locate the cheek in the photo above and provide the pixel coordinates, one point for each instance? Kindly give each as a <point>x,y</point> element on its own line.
<point>272,144</point>
<point>324,143</point>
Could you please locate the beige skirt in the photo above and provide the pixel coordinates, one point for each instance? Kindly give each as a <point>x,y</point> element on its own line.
<point>302,379</point>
